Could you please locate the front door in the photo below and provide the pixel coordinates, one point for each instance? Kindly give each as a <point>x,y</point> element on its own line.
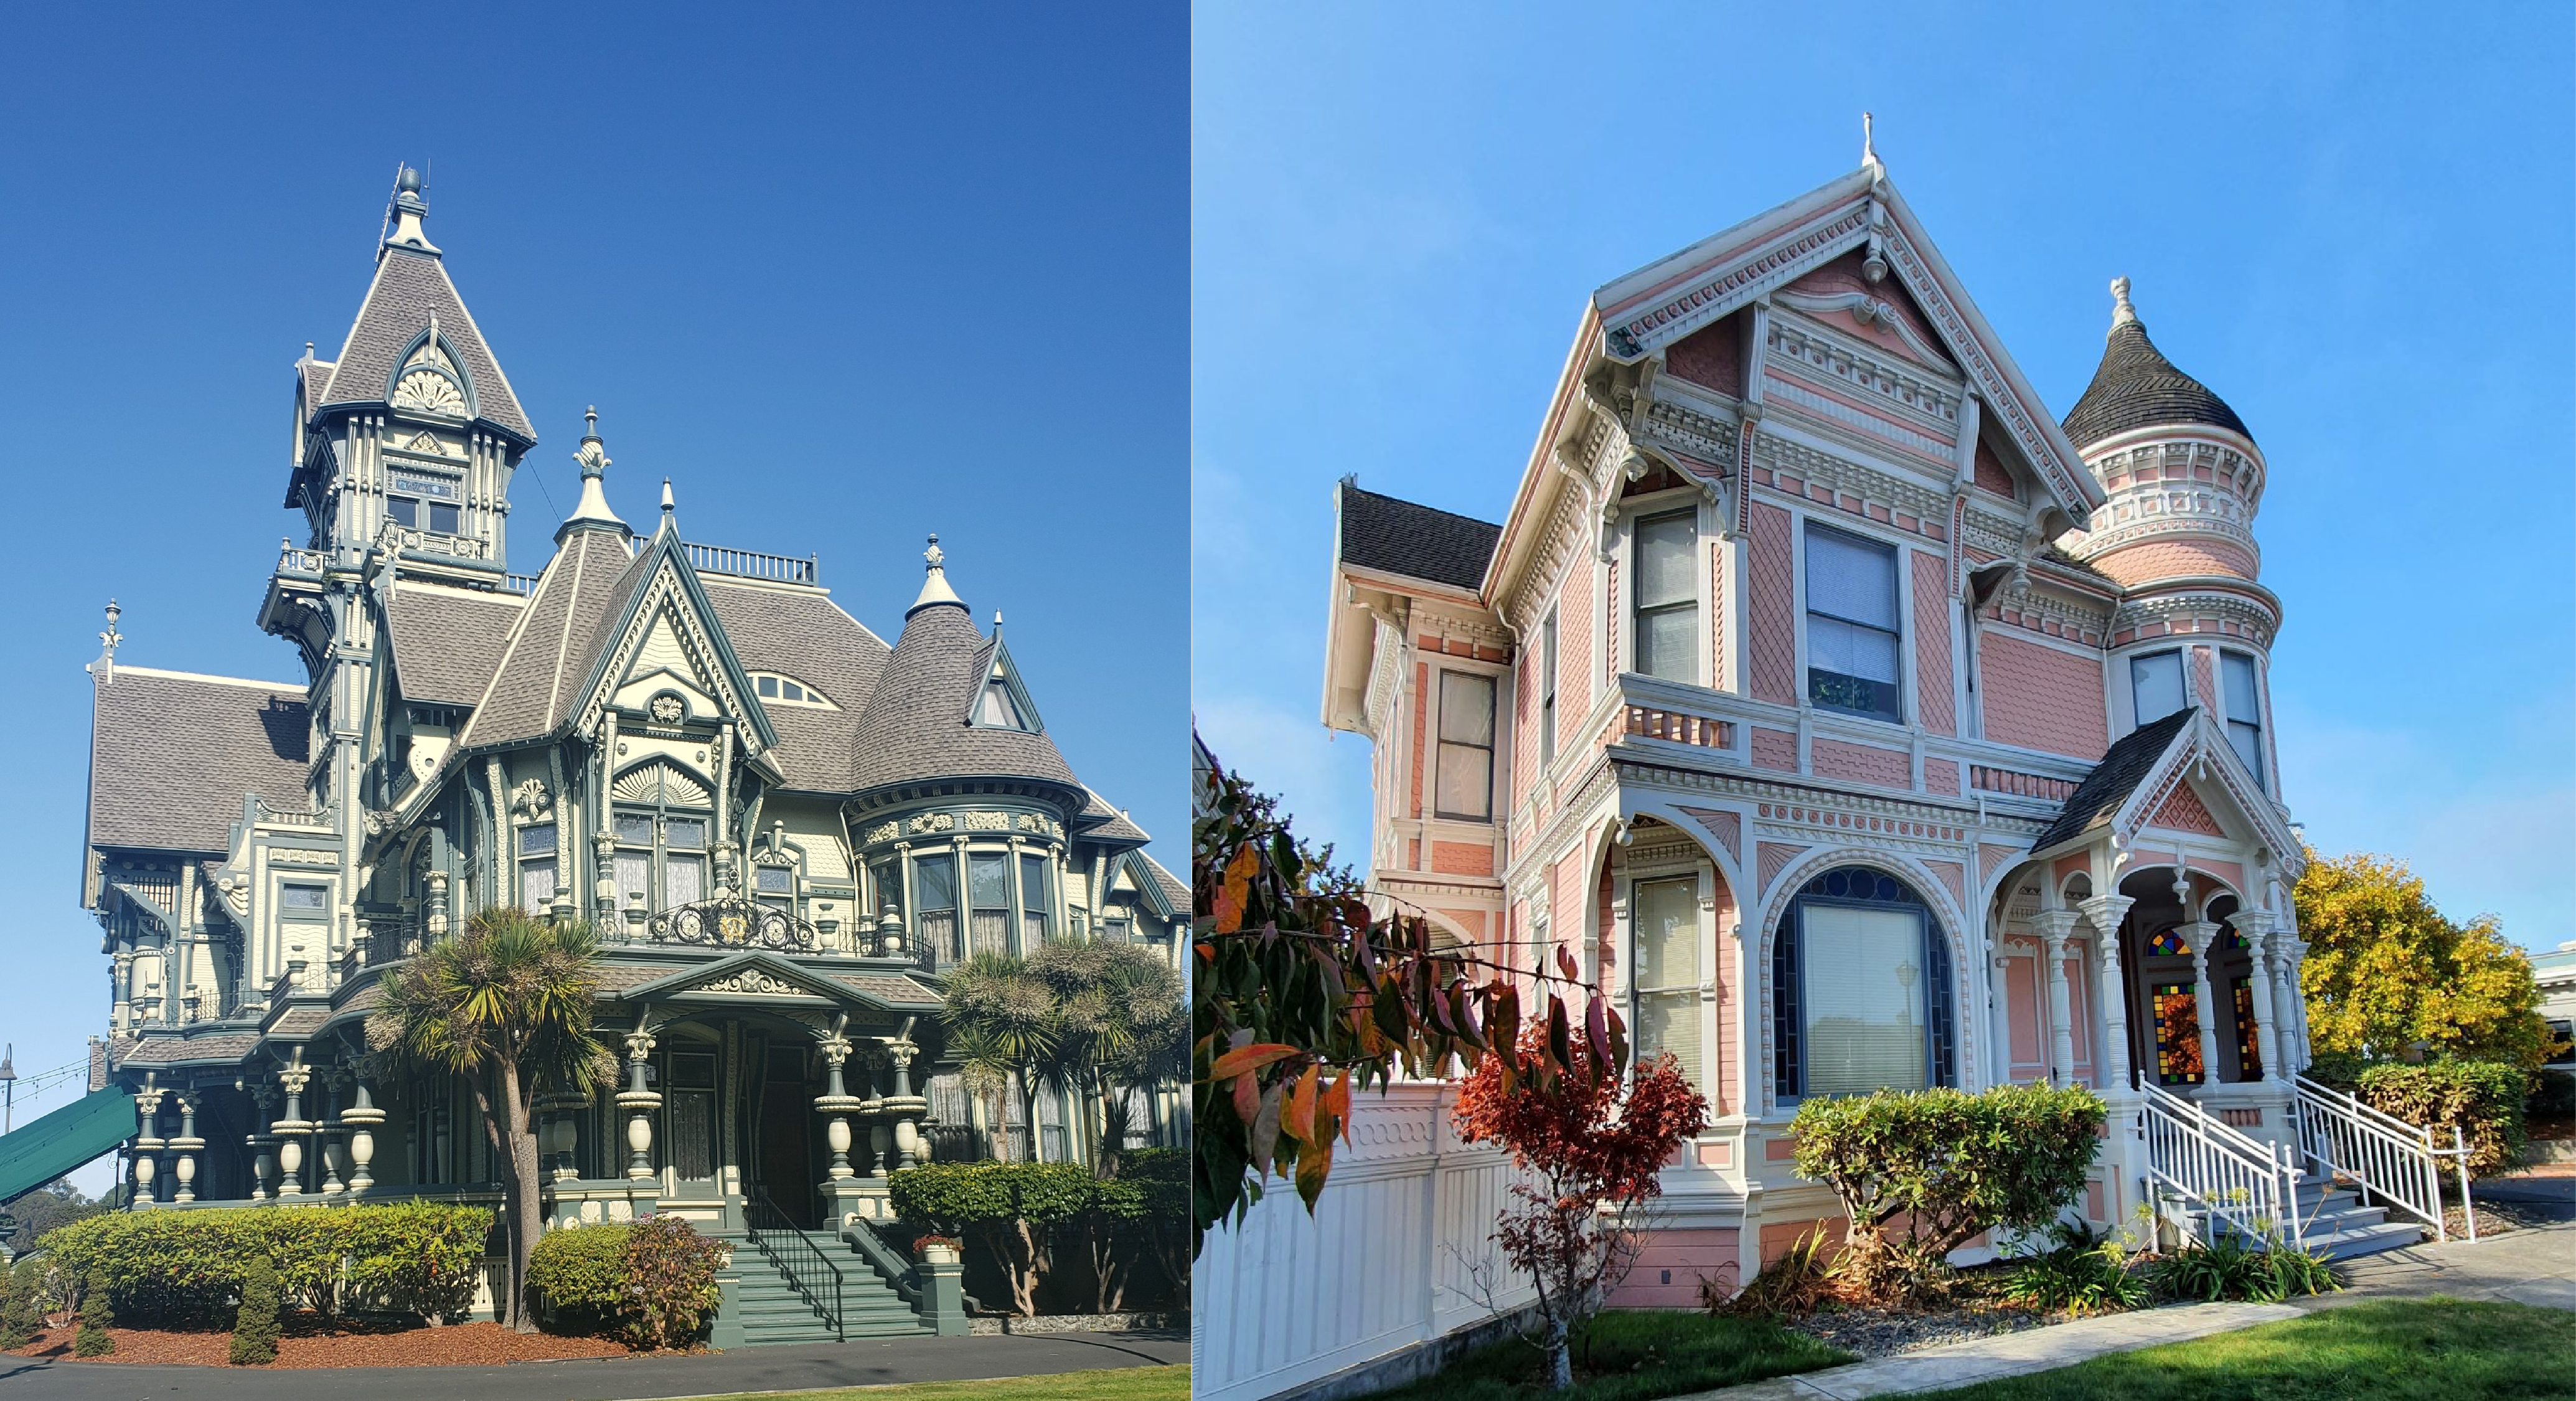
<point>784,1166</point>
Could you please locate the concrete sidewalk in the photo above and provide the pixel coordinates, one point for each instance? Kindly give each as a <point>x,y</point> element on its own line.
<point>870,1362</point>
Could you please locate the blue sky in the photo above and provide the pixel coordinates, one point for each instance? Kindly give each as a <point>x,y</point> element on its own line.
<point>2351,221</point>
<point>847,275</point>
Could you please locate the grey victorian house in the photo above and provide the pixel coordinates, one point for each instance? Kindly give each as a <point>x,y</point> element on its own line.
<point>785,829</point>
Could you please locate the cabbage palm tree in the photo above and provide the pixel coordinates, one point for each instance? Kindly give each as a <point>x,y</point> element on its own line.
<point>1121,1024</point>
<point>1005,1031</point>
<point>505,1006</point>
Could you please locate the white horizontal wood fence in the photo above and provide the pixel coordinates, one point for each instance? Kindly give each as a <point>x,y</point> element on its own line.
<point>1390,1258</point>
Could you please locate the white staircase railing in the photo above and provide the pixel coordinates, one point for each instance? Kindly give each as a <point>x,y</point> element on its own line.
<point>2225,1174</point>
<point>2394,1161</point>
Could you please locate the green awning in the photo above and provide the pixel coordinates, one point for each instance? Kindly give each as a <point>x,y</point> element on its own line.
<point>34,1155</point>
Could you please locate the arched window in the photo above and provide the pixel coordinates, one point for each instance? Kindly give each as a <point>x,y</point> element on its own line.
<point>659,816</point>
<point>1860,990</point>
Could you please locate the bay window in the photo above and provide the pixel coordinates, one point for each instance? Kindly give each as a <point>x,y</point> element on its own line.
<point>1666,589</point>
<point>1033,901</point>
<point>1852,633</point>
<point>988,890</point>
<point>2155,684</point>
<point>934,883</point>
<point>1464,781</point>
<point>2244,711</point>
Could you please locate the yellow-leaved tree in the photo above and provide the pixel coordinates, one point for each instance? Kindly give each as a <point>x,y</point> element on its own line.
<point>2386,970</point>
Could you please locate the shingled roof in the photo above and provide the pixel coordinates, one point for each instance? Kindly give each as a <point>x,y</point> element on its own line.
<point>2135,386</point>
<point>447,642</point>
<point>171,755</point>
<point>1100,822</point>
<point>408,287</point>
<point>533,689</point>
<point>1401,537</point>
<point>914,727</point>
<point>801,633</point>
<point>2111,782</point>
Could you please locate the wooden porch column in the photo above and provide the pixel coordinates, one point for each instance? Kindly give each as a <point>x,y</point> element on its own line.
<point>2054,926</point>
<point>1999,1011</point>
<point>2256,926</point>
<point>2199,933</point>
<point>2104,913</point>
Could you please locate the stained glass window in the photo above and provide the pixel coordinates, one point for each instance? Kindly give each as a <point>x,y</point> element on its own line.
<point>2231,941</point>
<point>2169,944</point>
<point>2177,1034</point>
<point>1826,1042</point>
<point>2249,1046</point>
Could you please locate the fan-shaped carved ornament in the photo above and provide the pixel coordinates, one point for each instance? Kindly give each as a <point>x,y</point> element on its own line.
<point>428,391</point>
<point>658,782</point>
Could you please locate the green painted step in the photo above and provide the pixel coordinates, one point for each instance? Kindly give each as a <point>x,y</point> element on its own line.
<point>34,1155</point>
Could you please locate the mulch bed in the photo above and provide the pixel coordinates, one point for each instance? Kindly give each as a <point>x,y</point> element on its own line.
<point>2495,1217</point>
<point>308,1342</point>
<point>1877,1332</point>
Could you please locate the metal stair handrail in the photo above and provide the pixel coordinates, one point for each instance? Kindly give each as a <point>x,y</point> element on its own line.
<point>881,1255</point>
<point>797,1258</point>
<point>2251,1184</point>
<point>2394,1162</point>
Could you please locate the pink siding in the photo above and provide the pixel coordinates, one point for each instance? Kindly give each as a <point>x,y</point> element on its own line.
<point>1775,749</point>
<point>2170,559</point>
<point>1770,607</point>
<point>1940,776</point>
<point>1991,473</point>
<point>1524,731</point>
<point>1670,1265</point>
<point>1844,274</point>
<point>2184,812</point>
<point>1726,826</point>
<point>2043,698</point>
<point>2203,665</point>
<point>1605,942</point>
<point>1773,856</point>
<point>2022,1019</point>
<point>1953,875</point>
<point>1723,1056</point>
<point>1713,357</point>
<point>1462,858</point>
<point>1717,620</point>
<point>1566,887</point>
<point>1421,710</point>
<point>1473,921</point>
<point>1938,708</point>
<point>1861,763</point>
<point>2079,1016</point>
<point>1573,652</point>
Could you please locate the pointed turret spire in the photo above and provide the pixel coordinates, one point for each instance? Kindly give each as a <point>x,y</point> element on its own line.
<point>2135,386</point>
<point>2121,312</point>
<point>934,587</point>
<point>409,209</point>
<point>1869,160</point>
<point>105,667</point>
<point>592,508</point>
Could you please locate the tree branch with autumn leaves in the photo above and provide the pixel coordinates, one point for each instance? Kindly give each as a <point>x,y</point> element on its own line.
<point>1299,996</point>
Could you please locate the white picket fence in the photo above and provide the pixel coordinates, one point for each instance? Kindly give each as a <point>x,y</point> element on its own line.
<point>1391,1257</point>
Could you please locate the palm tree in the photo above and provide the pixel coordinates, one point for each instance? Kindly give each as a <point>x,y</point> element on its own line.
<point>1118,1007</point>
<point>1004,1029</point>
<point>506,1005</point>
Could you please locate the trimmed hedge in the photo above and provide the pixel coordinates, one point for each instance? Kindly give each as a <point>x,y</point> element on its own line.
<point>187,1266</point>
<point>652,1284</point>
<point>1941,1166</point>
<point>1013,1209</point>
<point>255,1328</point>
<point>2482,1099</point>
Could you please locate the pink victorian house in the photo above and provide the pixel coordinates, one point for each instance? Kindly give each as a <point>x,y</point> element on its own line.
<point>1863,724</point>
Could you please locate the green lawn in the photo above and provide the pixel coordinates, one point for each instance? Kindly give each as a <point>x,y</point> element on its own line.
<point>2396,1350</point>
<point>1632,1356</point>
<point>1108,1384</point>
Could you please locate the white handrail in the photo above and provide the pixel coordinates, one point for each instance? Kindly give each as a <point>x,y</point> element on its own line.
<point>2228,1173</point>
<point>2394,1161</point>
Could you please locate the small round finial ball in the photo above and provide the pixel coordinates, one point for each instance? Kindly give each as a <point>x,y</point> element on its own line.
<point>408,182</point>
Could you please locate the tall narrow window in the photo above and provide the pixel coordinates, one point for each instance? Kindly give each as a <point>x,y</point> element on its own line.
<point>1547,691</point>
<point>988,887</point>
<point>2244,711</point>
<point>684,863</point>
<point>1667,597</point>
<point>889,891</point>
<point>1852,634</point>
<point>2155,684</point>
<point>537,869</point>
<point>1666,916</point>
<point>934,884</point>
<point>1465,786</point>
<point>1861,990</point>
<point>1033,901</point>
<point>634,861</point>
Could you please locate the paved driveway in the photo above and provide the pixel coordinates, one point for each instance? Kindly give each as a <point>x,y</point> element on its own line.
<point>871,1362</point>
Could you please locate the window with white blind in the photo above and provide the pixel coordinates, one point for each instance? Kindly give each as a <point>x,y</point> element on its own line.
<point>1860,987</point>
<point>1547,691</point>
<point>1665,917</point>
<point>2155,684</point>
<point>537,869</point>
<point>934,884</point>
<point>2244,711</point>
<point>1853,641</point>
<point>1464,777</point>
<point>1666,594</point>
<point>988,890</point>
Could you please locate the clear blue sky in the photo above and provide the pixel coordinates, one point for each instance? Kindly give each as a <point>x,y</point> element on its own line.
<point>2351,221</point>
<point>848,275</point>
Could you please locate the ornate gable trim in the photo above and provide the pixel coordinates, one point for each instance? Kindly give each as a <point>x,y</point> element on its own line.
<point>672,586</point>
<point>2202,759</point>
<point>756,974</point>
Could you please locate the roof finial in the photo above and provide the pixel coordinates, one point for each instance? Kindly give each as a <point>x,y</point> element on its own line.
<point>593,457</point>
<point>934,585</point>
<point>408,209</point>
<point>105,667</point>
<point>934,556</point>
<point>1869,160</point>
<point>2121,312</point>
<point>666,496</point>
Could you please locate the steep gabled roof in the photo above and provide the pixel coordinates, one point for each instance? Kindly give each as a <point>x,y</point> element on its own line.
<point>408,287</point>
<point>447,642</point>
<point>538,681</point>
<point>172,754</point>
<point>1099,822</point>
<point>1421,542</point>
<point>2124,766</point>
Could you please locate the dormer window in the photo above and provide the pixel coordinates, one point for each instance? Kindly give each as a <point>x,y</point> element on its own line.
<point>787,690</point>
<point>996,710</point>
<point>1002,704</point>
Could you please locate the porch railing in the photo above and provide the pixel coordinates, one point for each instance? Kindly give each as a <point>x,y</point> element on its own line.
<point>2393,1161</point>
<point>797,1258</point>
<point>2223,1173</point>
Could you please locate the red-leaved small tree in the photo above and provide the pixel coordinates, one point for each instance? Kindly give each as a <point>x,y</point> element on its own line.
<point>1594,1146</point>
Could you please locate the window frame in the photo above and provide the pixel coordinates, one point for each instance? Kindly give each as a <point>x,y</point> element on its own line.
<point>551,858</point>
<point>2138,718</point>
<point>1703,954</point>
<point>1547,690</point>
<point>1808,612</point>
<point>1790,1004</point>
<point>2254,700</point>
<point>1441,743</point>
<point>1639,611</point>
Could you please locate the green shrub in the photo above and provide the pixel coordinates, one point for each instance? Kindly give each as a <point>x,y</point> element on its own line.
<point>255,1323</point>
<point>1014,1209</point>
<point>96,1317</point>
<point>1939,1167</point>
<point>21,1316</point>
<point>2233,1268</point>
<point>1793,1286</point>
<point>2482,1099</point>
<point>186,1266</point>
<point>2080,1273</point>
<point>652,1284</point>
